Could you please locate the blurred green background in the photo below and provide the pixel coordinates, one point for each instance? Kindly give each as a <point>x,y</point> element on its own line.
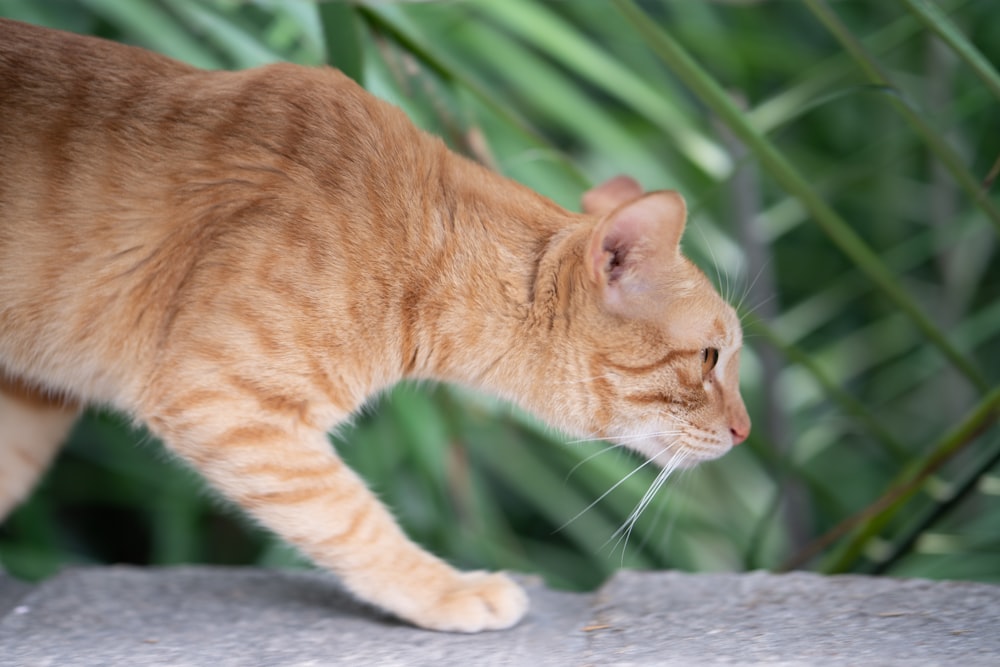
<point>838,159</point>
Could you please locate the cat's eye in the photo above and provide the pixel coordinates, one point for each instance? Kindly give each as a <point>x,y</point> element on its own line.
<point>709,358</point>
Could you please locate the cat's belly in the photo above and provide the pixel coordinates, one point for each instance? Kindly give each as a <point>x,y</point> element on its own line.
<point>65,350</point>
<point>59,374</point>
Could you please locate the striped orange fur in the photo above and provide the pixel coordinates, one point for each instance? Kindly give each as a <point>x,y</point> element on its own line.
<point>240,259</point>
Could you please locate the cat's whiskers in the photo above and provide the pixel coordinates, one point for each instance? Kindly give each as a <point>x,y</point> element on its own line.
<point>715,262</point>
<point>624,532</point>
<point>583,441</point>
<point>622,439</point>
<point>753,309</point>
<point>603,450</point>
<point>682,421</point>
<point>644,436</point>
<point>749,288</point>
<point>619,442</point>
<point>679,478</point>
<point>676,460</point>
<point>606,493</point>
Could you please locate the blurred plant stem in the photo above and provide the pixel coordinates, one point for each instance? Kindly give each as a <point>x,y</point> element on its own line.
<point>905,107</point>
<point>867,523</point>
<point>762,299</point>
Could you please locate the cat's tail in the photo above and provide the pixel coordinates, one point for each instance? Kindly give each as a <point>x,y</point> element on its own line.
<point>33,425</point>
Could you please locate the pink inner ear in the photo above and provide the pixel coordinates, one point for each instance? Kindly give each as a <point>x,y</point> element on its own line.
<point>624,242</point>
<point>630,247</point>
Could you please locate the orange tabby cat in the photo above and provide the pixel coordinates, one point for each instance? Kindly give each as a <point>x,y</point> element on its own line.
<point>241,259</point>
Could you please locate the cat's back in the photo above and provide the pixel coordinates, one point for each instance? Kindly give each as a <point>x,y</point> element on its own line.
<point>130,181</point>
<point>88,117</point>
<point>95,131</point>
<point>116,167</point>
<point>72,113</point>
<point>42,69</point>
<point>28,51</point>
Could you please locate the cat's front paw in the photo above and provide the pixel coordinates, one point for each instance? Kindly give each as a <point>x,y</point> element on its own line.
<point>475,601</point>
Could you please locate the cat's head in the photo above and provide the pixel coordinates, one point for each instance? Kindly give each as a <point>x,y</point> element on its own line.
<point>662,349</point>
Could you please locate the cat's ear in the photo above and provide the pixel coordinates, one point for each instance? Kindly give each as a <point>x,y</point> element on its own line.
<point>609,195</point>
<point>632,250</point>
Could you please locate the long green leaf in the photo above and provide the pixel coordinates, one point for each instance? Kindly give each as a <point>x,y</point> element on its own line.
<point>938,509</point>
<point>935,142</point>
<point>910,482</point>
<point>157,29</point>
<point>816,82</point>
<point>939,23</point>
<point>548,32</point>
<point>380,23</point>
<point>237,41</point>
<point>342,35</point>
<point>847,402</point>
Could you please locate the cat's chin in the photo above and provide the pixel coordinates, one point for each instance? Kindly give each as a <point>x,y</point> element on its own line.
<point>694,459</point>
<point>673,451</point>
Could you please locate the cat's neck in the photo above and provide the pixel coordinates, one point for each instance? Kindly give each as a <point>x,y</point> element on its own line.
<point>484,308</point>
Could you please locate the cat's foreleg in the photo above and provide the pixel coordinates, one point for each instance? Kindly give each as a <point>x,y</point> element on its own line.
<point>32,427</point>
<point>291,480</point>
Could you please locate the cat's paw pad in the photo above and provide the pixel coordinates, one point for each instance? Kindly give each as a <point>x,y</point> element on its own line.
<point>476,601</point>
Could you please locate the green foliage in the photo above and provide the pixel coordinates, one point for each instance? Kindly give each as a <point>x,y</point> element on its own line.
<point>838,159</point>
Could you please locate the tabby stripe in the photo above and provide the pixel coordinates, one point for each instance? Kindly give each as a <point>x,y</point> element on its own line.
<point>410,349</point>
<point>651,398</point>
<point>349,533</point>
<point>274,403</point>
<point>284,496</point>
<point>250,435</point>
<point>27,459</point>
<point>605,394</point>
<point>334,392</point>
<point>647,368</point>
<point>192,399</point>
<point>285,472</point>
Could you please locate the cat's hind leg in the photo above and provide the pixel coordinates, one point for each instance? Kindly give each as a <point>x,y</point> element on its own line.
<point>258,450</point>
<point>32,427</point>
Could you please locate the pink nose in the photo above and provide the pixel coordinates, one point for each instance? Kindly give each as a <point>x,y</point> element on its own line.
<point>739,421</point>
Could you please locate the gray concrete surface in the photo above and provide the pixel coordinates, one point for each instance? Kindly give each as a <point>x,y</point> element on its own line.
<point>220,617</point>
